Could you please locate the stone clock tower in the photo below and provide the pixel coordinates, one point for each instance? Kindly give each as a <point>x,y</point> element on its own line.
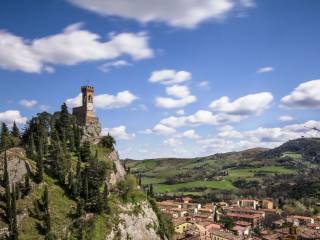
<point>85,115</point>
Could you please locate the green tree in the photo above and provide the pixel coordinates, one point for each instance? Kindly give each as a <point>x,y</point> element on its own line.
<point>85,152</point>
<point>77,136</point>
<point>31,149</point>
<point>108,142</point>
<point>27,186</point>
<point>15,131</point>
<point>86,186</point>
<point>140,179</point>
<point>4,137</point>
<point>6,182</point>
<point>151,193</point>
<point>40,163</point>
<point>105,197</point>
<point>78,181</point>
<point>15,135</point>
<point>13,221</point>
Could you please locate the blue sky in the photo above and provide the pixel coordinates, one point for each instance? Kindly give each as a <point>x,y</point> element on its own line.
<point>172,78</point>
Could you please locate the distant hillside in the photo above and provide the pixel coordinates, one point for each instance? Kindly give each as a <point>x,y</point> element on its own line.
<point>307,148</point>
<point>235,172</point>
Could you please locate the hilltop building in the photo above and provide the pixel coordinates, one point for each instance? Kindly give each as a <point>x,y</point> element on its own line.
<point>85,115</point>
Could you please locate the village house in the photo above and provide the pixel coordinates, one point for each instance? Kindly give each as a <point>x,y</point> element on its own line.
<point>246,214</point>
<point>223,235</point>
<point>248,203</point>
<point>300,220</point>
<point>267,204</point>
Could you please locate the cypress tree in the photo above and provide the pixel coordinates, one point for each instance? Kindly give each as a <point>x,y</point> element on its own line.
<point>151,194</point>
<point>27,185</point>
<point>77,136</point>
<point>85,152</point>
<point>46,218</point>
<point>40,162</point>
<point>78,182</point>
<point>86,187</point>
<point>105,191</point>
<point>45,198</point>
<point>4,137</point>
<point>18,192</point>
<point>6,182</point>
<point>139,179</point>
<point>15,131</point>
<point>31,147</point>
<point>80,207</point>
<point>64,116</point>
<point>105,197</point>
<point>13,222</point>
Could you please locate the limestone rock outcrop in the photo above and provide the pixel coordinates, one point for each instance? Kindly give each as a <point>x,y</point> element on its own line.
<point>141,225</point>
<point>18,166</point>
<point>119,172</point>
<point>91,132</point>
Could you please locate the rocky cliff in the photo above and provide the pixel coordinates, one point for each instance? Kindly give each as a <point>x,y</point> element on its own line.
<point>138,222</point>
<point>119,172</point>
<point>91,132</point>
<point>18,166</point>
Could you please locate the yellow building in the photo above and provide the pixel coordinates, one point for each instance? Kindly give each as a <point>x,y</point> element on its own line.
<point>267,204</point>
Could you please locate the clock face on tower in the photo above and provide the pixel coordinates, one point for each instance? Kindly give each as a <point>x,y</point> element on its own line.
<point>90,106</point>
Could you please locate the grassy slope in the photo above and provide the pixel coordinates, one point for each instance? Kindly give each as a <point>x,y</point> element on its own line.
<point>155,171</point>
<point>61,206</point>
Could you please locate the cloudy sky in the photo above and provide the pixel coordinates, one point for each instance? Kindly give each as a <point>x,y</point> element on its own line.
<point>173,78</point>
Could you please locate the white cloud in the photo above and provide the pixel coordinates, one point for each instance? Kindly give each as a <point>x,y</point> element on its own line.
<point>305,95</point>
<point>248,3</point>
<point>224,111</point>
<point>229,132</point>
<point>180,112</point>
<point>172,142</point>
<point>181,94</point>
<point>178,91</point>
<point>169,76</point>
<point>177,13</point>
<point>106,101</point>
<point>74,102</point>
<point>204,84</point>
<point>16,54</point>
<point>199,118</point>
<point>140,107</point>
<point>191,134</point>
<point>260,137</point>
<point>162,129</point>
<point>119,133</point>
<point>10,116</point>
<point>122,99</point>
<point>44,107</point>
<point>28,103</point>
<point>285,118</point>
<point>106,67</point>
<point>265,69</point>
<point>165,102</point>
<point>74,45</point>
<point>252,104</point>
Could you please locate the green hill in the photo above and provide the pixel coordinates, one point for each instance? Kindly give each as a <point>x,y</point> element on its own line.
<point>248,172</point>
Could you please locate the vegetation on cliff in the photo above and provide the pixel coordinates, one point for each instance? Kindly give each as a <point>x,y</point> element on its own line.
<point>64,192</point>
